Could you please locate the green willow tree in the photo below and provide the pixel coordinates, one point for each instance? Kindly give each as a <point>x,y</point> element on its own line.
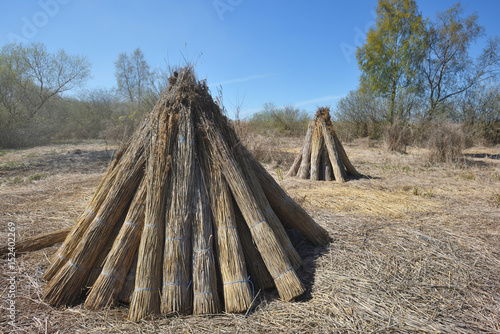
<point>391,57</point>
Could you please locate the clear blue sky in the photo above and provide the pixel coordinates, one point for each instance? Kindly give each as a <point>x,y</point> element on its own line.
<point>286,52</point>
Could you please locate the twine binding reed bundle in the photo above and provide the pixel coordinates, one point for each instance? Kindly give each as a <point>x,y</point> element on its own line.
<point>185,221</point>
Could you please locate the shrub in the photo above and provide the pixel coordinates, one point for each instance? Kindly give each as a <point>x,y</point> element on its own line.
<point>446,142</point>
<point>288,121</point>
<point>397,137</point>
<point>37,177</point>
<point>485,133</point>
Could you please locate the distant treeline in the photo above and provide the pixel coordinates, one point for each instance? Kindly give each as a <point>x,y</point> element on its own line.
<point>35,107</point>
<point>418,71</point>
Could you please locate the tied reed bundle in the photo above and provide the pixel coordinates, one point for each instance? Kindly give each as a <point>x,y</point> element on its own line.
<point>101,259</point>
<point>205,295</point>
<point>37,242</point>
<point>176,292</point>
<point>147,293</point>
<point>305,161</point>
<point>119,260</point>
<point>236,289</point>
<point>261,278</point>
<point>316,150</point>
<point>298,159</point>
<point>129,283</point>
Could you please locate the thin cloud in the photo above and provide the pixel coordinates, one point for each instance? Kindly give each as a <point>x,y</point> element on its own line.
<point>317,100</point>
<point>237,80</point>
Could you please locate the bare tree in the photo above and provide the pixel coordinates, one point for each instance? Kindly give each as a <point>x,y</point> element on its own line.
<point>30,76</point>
<point>133,76</point>
<point>448,69</point>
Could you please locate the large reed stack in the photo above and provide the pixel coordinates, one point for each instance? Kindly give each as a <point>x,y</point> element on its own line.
<point>185,221</point>
<point>322,156</point>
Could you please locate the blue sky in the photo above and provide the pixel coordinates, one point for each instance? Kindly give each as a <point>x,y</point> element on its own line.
<point>287,52</point>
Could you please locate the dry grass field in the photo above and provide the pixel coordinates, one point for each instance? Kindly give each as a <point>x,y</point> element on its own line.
<point>415,247</point>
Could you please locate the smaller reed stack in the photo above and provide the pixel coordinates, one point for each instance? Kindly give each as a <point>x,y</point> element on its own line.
<point>322,157</point>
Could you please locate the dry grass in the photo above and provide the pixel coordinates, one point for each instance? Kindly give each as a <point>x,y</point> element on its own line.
<point>415,248</point>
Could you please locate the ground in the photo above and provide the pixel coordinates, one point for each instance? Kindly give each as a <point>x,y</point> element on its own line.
<point>415,247</point>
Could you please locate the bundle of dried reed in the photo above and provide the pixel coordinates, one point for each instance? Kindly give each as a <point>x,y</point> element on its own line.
<point>176,292</point>
<point>37,242</point>
<point>127,290</point>
<point>236,289</point>
<point>148,281</point>
<point>322,157</point>
<point>205,295</point>
<point>259,275</point>
<point>119,260</point>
